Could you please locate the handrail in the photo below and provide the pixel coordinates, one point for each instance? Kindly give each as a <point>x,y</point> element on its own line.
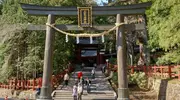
<point>33,83</point>
<point>155,71</point>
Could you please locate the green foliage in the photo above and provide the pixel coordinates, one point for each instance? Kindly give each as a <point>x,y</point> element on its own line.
<point>113,61</point>
<point>138,78</point>
<point>12,12</point>
<point>22,51</point>
<point>169,58</point>
<point>115,78</point>
<point>127,2</point>
<point>164,29</point>
<point>10,36</point>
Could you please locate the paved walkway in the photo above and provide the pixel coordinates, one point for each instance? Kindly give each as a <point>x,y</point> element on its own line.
<point>100,88</point>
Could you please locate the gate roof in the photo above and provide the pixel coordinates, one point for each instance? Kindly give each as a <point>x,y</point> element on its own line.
<point>96,10</point>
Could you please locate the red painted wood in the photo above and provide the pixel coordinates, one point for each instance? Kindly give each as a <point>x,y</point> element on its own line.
<point>179,74</point>
<point>169,71</point>
<point>34,83</point>
<point>132,69</point>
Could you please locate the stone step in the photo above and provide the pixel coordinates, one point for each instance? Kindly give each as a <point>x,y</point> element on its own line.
<point>104,95</point>
<point>86,94</point>
<point>100,88</point>
<point>91,94</point>
<point>85,98</point>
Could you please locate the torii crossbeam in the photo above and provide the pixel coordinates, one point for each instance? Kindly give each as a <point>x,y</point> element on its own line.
<point>119,11</point>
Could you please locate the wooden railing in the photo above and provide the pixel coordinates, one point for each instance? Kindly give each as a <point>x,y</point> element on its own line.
<point>22,84</point>
<point>156,71</point>
<point>34,83</point>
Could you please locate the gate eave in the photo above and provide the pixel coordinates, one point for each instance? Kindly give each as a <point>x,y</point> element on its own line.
<point>96,10</point>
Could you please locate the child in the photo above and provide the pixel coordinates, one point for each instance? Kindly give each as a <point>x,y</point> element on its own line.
<point>74,94</point>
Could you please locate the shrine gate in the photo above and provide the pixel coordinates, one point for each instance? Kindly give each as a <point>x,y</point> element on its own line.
<point>84,24</point>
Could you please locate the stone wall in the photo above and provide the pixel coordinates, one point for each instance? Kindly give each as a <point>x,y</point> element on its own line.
<point>165,89</point>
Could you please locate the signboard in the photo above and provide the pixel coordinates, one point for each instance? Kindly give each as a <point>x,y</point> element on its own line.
<point>85,16</point>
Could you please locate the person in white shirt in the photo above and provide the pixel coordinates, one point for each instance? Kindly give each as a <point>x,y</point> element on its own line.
<point>66,78</point>
<point>93,72</point>
<point>115,95</point>
<point>80,91</point>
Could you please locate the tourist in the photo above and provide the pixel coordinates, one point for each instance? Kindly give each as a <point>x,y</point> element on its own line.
<point>66,78</point>
<point>75,93</point>
<point>88,83</point>
<point>80,91</point>
<point>103,68</point>
<point>82,66</point>
<point>81,81</point>
<point>115,95</point>
<point>80,74</point>
<point>38,90</point>
<point>95,65</point>
<point>93,73</point>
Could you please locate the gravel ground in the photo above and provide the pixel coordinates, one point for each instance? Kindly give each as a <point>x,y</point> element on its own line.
<point>135,94</point>
<point>138,94</point>
<point>6,92</point>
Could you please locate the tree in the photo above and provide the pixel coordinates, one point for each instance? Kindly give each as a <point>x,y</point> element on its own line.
<point>164,29</point>
<point>22,50</point>
<point>1,7</point>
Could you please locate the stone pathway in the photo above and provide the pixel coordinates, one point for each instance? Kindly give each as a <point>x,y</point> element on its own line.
<point>100,88</point>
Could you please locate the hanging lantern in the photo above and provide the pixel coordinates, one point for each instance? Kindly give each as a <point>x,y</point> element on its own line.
<point>67,38</point>
<point>102,38</point>
<point>91,40</point>
<point>77,39</point>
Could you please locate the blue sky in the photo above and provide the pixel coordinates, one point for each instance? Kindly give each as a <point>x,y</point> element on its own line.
<point>100,1</point>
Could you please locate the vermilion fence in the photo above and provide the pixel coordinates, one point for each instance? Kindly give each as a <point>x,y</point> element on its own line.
<point>156,71</point>
<point>34,83</point>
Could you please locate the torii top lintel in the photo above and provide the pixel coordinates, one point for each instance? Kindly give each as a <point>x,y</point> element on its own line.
<point>96,10</point>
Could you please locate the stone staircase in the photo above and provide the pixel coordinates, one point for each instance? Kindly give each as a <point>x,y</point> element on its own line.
<point>67,95</point>
<point>100,88</point>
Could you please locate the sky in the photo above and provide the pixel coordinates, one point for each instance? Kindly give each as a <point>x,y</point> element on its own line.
<point>100,1</point>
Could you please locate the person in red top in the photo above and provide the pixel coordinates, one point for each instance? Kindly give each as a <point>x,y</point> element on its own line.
<point>80,74</point>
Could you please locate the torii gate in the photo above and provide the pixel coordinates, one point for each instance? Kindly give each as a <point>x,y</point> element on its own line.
<point>119,11</point>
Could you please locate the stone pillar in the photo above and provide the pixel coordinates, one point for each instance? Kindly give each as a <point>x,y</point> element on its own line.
<point>123,91</point>
<point>46,88</point>
<point>146,51</point>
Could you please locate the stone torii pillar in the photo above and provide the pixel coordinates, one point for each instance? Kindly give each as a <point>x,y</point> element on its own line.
<point>97,11</point>
<point>123,91</point>
<point>46,89</point>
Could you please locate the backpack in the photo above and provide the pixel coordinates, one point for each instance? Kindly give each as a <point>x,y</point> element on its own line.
<point>88,82</point>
